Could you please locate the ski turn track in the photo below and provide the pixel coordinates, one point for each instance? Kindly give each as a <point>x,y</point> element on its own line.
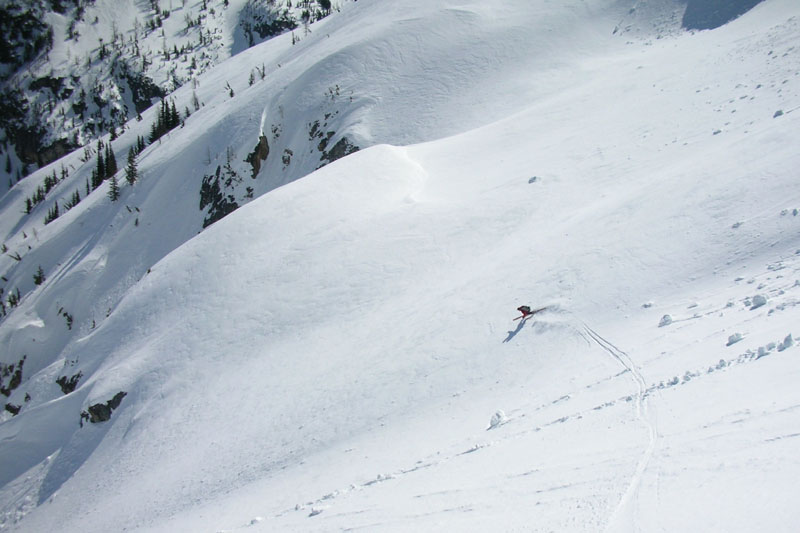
<point>624,517</point>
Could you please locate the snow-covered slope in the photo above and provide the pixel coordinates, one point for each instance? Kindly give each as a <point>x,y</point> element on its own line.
<point>340,352</point>
<point>73,72</point>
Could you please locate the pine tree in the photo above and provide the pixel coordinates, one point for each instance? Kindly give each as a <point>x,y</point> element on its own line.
<point>52,214</point>
<point>113,189</point>
<point>174,117</point>
<point>101,165</point>
<point>38,277</point>
<point>96,180</point>
<point>75,200</point>
<point>131,172</point>
<point>111,162</point>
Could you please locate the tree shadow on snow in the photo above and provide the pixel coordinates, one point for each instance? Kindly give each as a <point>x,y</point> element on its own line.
<point>512,334</point>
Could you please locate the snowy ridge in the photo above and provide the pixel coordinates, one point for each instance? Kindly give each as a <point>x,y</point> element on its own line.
<point>340,353</point>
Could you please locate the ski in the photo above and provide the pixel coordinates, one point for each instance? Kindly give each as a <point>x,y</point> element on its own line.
<point>531,313</point>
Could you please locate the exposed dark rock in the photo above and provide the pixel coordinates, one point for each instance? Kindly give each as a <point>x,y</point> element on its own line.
<point>25,33</point>
<point>259,154</point>
<point>13,409</point>
<point>101,412</point>
<point>69,385</point>
<point>710,14</point>
<point>211,195</point>
<point>323,144</point>
<point>261,21</point>
<point>28,137</point>
<point>342,148</point>
<point>54,84</point>
<point>143,89</point>
<point>14,372</point>
<point>56,150</point>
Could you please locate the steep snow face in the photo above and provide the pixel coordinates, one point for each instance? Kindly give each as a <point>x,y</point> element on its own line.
<point>341,351</point>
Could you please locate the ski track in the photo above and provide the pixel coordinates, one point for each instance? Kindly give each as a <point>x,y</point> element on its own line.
<point>624,509</point>
<point>434,460</point>
<point>624,517</point>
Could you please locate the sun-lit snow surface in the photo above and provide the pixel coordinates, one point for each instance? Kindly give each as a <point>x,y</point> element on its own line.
<point>341,354</point>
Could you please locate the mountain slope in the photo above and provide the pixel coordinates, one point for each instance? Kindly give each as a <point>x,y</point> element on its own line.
<point>74,72</point>
<point>330,355</point>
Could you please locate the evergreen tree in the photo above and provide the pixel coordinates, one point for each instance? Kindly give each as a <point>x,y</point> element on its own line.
<point>101,165</point>
<point>38,277</point>
<point>111,162</point>
<point>174,117</point>
<point>113,190</point>
<point>52,214</point>
<point>131,172</point>
<point>96,180</point>
<point>74,200</point>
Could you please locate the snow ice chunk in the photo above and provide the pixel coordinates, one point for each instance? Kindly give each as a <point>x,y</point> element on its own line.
<point>498,419</point>
<point>787,343</point>
<point>666,320</point>
<point>733,339</point>
<point>758,301</point>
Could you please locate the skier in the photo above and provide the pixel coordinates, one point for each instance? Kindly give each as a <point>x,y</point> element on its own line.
<point>525,310</point>
<point>528,312</point>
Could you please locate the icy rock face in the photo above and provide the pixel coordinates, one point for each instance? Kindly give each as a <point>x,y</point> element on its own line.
<point>666,320</point>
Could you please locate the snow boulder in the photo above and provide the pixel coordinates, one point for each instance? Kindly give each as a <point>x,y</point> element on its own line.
<point>788,342</point>
<point>733,339</point>
<point>498,419</point>
<point>758,301</point>
<point>666,320</point>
